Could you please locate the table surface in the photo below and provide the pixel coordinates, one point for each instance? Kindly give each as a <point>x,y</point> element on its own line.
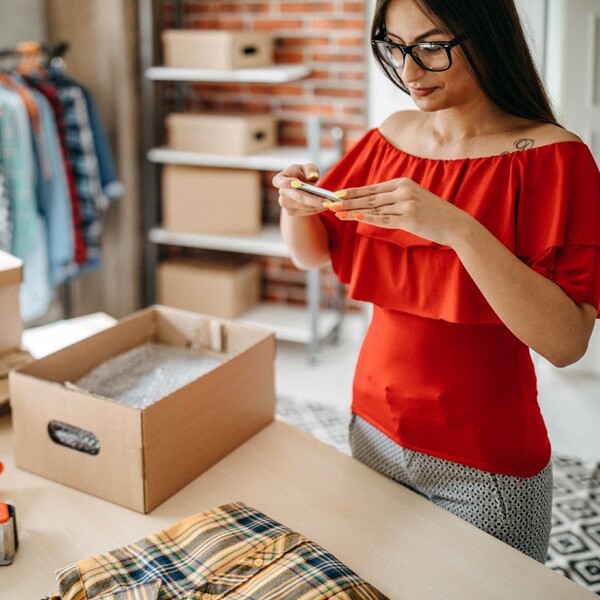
<point>401,543</point>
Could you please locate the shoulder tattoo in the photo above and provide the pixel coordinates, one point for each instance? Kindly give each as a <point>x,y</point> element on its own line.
<point>521,144</point>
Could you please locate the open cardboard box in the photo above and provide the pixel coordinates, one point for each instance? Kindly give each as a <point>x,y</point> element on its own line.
<point>145,455</point>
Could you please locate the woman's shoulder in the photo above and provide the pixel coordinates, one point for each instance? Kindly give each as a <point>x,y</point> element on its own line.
<point>400,121</point>
<point>544,134</point>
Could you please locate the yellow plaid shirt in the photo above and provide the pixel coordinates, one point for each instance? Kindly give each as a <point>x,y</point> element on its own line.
<point>233,552</point>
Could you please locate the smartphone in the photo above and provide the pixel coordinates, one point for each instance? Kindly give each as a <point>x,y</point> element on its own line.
<point>317,191</point>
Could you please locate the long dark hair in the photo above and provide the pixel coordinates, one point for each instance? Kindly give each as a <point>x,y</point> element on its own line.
<point>495,48</point>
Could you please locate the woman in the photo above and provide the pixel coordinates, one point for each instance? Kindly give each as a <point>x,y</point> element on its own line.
<point>473,226</point>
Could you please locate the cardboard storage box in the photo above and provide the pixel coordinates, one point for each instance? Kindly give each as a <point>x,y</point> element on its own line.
<point>220,50</point>
<point>227,134</point>
<point>225,287</point>
<point>205,200</point>
<point>145,455</point>
<point>11,324</point>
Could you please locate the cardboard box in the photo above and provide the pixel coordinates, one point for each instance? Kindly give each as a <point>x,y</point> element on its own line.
<point>11,323</point>
<point>232,134</point>
<point>220,50</point>
<point>11,360</point>
<point>145,455</point>
<point>225,287</point>
<point>205,200</point>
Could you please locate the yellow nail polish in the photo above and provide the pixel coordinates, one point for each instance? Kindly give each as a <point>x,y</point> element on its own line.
<point>313,175</point>
<point>342,214</point>
<point>326,204</point>
<point>295,183</point>
<point>335,206</point>
<point>358,216</point>
<point>341,193</point>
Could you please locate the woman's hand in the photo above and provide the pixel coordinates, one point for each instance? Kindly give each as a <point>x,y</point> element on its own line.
<point>306,238</point>
<point>293,201</point>
<point>402,204</point>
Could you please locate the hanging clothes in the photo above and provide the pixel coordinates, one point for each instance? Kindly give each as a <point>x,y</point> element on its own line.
<point>57,176</point>
<point>111,186</point>
<point>28,234</point>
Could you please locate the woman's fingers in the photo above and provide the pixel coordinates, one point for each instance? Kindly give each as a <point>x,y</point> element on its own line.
<point>293,200</point>
<point>305,172</point>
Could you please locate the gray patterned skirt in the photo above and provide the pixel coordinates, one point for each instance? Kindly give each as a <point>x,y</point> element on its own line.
<point>516,510</point>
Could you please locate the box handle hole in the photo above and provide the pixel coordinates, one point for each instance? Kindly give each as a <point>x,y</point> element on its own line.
<point>250,50</point>
<point>73,437</point>
<point>259,135</point>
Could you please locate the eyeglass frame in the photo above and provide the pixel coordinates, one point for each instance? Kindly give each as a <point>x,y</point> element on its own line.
<point>408,49</point>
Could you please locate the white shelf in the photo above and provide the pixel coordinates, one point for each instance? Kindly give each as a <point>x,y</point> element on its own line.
<point>268,242</point>
<point>271,74</point>
<point>275,159</point>
<point>291,323</point>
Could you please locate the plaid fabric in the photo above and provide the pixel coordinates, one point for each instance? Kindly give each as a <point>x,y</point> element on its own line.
<point>233,552</point>
<point>84,165</point>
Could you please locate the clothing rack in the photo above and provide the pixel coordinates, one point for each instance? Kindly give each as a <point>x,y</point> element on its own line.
<point>86,179</point>
<point>33,52</point>
<point>24,49</point>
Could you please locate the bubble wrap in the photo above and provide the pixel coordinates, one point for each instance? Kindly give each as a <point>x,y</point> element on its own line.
<point>147,373</point>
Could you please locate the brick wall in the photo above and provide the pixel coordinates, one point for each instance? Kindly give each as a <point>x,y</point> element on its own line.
<point>328,36</point>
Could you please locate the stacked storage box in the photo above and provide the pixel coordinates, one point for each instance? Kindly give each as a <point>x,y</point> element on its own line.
<point>214,200</point>
<point>225,285</point>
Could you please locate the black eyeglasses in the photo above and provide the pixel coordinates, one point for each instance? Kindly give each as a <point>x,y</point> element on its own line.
<point>432,56</point>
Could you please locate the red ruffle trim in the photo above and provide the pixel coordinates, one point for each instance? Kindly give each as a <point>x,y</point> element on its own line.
<point>542,203</point>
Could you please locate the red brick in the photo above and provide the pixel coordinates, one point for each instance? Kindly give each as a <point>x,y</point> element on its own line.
<point>304,42</point>
<point>340,93</point>
<point>338,24</point>
<point>276,90</point>
<point>313,109</point>
<point>306,7</point>
<point>218,23</point>
<point>352,41</point>
<point>294,58</point>
<point>320,74</point>
<point>273,25</point>
<point>220,88</point>
<point>352,75</point>
<point>333,58</point>
<point>358,7</point>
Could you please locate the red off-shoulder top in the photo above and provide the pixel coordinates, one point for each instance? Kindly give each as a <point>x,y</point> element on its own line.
<point>438,371</point>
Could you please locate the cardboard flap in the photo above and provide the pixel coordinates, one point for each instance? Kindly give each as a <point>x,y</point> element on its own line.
<point>73,362</point>
<point>210,335</point>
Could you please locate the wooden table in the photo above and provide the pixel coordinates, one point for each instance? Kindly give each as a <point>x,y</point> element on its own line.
<point>401,543</point>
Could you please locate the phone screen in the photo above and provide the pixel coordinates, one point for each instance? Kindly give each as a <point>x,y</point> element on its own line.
<point>317,191</point>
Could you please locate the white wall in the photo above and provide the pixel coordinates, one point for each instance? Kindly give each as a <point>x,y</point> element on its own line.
<point>22,20</point>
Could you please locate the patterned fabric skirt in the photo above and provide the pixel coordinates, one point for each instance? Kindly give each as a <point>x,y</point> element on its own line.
<point>516,510</point>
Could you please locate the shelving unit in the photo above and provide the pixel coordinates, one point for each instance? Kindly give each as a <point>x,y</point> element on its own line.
<point>310,325</point>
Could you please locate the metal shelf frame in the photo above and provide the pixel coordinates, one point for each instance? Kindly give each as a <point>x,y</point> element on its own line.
<point>319,325</point>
